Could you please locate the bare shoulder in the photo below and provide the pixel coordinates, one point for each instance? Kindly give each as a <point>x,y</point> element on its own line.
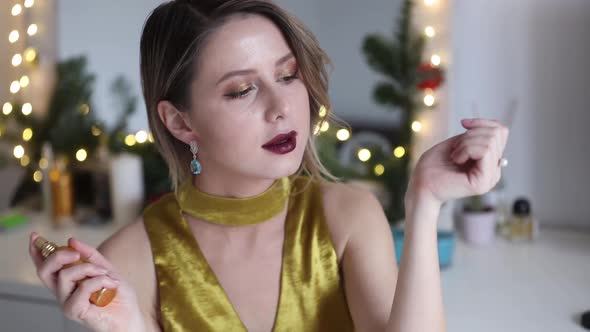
<point>347,208</point>
<point>130,252</point>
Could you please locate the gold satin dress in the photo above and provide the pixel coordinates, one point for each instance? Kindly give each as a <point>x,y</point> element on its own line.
<point>311,297</point>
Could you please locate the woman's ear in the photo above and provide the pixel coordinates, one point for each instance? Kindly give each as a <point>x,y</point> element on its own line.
<point>175,121</point>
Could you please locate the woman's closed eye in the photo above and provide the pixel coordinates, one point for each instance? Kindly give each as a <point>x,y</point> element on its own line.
<point>240,93</point>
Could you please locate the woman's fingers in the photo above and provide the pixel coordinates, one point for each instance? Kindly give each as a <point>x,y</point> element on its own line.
<point>469,151</point>
<point>67,278</point>
<point>77,305</point>
<point>90,253</point>
<point>55,262</point>
<point>33,251</point>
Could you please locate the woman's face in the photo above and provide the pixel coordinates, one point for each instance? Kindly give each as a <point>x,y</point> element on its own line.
<point>247,91</point>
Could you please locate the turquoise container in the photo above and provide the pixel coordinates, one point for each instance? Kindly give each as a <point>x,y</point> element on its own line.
<point>445,242</point>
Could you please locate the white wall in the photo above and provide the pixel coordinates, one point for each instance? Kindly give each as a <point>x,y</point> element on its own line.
<point>535,51</point>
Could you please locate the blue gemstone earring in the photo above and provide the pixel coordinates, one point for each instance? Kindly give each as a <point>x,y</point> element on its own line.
<point>195,164</point>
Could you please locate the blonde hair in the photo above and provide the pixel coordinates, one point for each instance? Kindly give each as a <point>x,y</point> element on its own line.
<point>171,39</point>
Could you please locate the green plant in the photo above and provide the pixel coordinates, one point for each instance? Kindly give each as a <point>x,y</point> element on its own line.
<point>476,203</point>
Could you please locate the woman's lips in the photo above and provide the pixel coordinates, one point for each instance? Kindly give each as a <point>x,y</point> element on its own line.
<point>283,143</point>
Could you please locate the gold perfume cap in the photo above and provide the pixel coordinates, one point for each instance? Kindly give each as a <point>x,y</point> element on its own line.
<point>47,248</point>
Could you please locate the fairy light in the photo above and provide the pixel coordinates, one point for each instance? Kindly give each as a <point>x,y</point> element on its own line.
<point>151,138</point>
<point>343,134</point>
<point>379,169</point>
<point>30,54</point>
<point>416,126</point>
<point>316,129</point>
<point>399,152</point>
<point>18,151</point>
<point>429,2</point>
<point>17,59</point>
<point>27,134</point>
<point>325,126</point>
<point>14,87</point>
<point>25,160</point>
<point>85,109</point>
<point>429,100</point>
<point>95,131</point>
<point>13,36</point>
<point>27,109</point>
<point>141,136</point>
<point>81,155</point>
<point>29,3</point>
<point>435,60</point>
<point>37,176</point>
<point>130,140</point>
<point>429,31</point>
<point>43,163</point>
<point>16,10</point>
<point>32,29</point>
<point>364,155</point>
<point>7,108</point>
<point>322,113</point>
<point>24,81</point>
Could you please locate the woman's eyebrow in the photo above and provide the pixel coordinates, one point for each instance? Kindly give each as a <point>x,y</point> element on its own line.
<point>232,73</point>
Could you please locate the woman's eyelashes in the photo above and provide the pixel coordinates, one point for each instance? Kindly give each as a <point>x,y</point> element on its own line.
<point>241,93</point>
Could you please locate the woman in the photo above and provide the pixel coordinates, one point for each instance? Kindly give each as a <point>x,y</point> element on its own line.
<point>252,238</point>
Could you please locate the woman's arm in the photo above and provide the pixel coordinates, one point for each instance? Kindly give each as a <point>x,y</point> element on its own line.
<point>418,304</point>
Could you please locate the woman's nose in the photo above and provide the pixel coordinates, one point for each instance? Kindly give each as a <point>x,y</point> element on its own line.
<point>277,107</point>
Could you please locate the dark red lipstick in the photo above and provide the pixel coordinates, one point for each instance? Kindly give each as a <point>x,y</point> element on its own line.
<point>282,143</point>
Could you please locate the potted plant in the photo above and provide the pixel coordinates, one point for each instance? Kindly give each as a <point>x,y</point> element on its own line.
<point>478,221</point>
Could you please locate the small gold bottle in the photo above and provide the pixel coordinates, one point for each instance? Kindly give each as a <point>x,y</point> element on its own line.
<point>521,223</point>
<point>100,298</point>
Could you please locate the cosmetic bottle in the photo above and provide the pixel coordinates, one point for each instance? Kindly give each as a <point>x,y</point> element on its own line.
<point>100,298</point>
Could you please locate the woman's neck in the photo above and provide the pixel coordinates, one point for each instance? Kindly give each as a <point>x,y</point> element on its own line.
<point>232,187</point>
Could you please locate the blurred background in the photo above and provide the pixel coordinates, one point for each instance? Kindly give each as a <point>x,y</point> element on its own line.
<point>77,158</point>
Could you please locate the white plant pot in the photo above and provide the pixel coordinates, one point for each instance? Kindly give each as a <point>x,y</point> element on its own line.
<point>478,228</point>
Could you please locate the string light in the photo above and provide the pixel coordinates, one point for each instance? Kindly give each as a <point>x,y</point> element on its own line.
<point>13,36</point>
<point>27,108</point>
<point>43,163</point>
<point>151,138</point>
<point>95,131</point>
<point>435,60</point>
<point>364,155</point>
<point>14,87</point>
<point>325,126</point>
<point>416,126</point>
<point>130,140</point>
<point>343,134</point>
<point>316,129</point>
<point>17,59</point>
<point>429,31</point>
<point>322,113</point>
<point>379,169</point>
<point>16,10</point>
<point>27,134</point>
<point>37,176</point>
<point>25,160</point>
<point>81,155</point>
<point>84,109</point>
<point>24,81</point>
<point>141,136</point>
<point>429,100</point>
<point>429,2</point>
<point>30,54</point>
<point>399,152</point>
<point>29,3</point>
<point>7,108</point>
<point>32,29</point>
<point>19,151</point>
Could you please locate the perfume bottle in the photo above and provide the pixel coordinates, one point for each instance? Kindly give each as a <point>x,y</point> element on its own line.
<point>100,298</point>
<point>61,193</point>
<point>522,225</point>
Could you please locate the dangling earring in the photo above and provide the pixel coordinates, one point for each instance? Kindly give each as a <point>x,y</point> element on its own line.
<point>195,164</point>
